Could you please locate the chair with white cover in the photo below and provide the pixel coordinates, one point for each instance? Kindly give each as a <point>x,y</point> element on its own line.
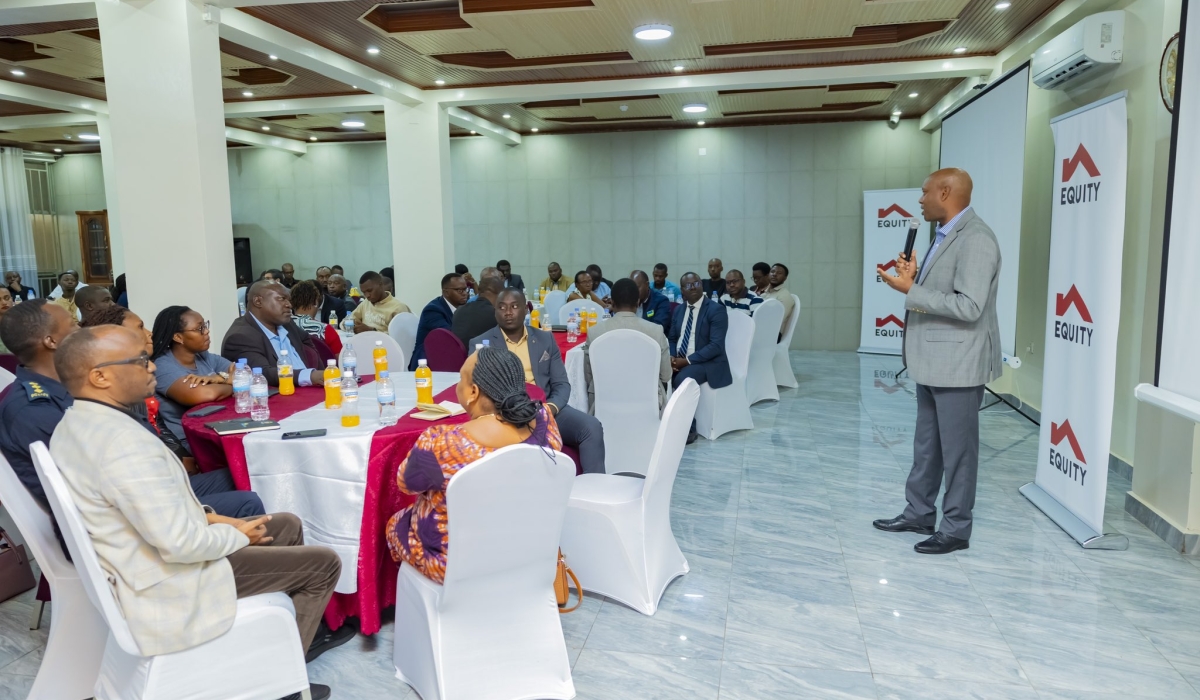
<point>6,378</point>
<point>760,374</point>
<point>726,409</point>
<point>618,537</point>
<point>583,305</point>
<point>71,659</point>
<point>554,302</point>
<point>403,330</point>
<point>259,658</point>
<point>364,348</point>
<point>625,367</point>
<point>491,631</point>
<point>784,374</point>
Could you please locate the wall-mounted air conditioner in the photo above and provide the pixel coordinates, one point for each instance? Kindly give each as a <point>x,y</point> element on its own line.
<point>1092,45</point>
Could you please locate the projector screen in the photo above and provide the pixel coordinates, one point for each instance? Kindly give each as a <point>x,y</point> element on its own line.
<point>986,137</point>
<point>1179,311</point>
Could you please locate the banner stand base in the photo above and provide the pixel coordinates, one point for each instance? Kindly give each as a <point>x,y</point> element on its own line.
<point>1070,523</point>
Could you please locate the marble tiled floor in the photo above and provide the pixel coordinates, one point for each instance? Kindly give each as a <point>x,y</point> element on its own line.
<point>792,593</point>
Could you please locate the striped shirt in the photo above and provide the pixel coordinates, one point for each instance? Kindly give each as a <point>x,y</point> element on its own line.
<point>746,304</point>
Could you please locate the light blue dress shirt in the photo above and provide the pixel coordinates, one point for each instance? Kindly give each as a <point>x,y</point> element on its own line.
<point>942,232</point>
<point>280,341</point>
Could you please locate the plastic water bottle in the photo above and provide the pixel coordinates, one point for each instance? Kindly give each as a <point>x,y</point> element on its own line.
<point>349,359</point>
<point>572,328</point>
<point>333,319</point>
<point>333,385</point>
<point>716,299</point>
<point>241,309</point>
<point>349,326</point>
<point>350,417</point>
<point>259,410</point>
<point>424,380</point>
<point>241,387</point>
<point>386,393</point>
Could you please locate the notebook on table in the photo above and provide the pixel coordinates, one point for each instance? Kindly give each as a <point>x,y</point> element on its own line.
<point>437,411</point>
<point>241,425</point>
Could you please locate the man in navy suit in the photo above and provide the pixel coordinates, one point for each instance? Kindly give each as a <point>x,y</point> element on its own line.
<point>652,305</point>
<point>697,340</point>
<point>439,313</point>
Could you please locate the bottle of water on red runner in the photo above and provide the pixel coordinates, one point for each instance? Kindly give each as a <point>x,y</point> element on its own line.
<point>385,392</point>
<point>259,410</point>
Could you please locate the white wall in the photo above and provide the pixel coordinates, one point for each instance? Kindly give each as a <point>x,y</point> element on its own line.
<point>78,186</point>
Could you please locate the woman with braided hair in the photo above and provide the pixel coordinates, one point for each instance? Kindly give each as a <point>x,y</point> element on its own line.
<point>492,390</point>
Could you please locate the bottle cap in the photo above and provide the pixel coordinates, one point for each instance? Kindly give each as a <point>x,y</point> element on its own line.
<point>241,362</point>
<point>283,353</point>
<point>422,363</point>
<point>383,374</point>
<point>379,343</point>
<point>331,363</point>
<point>257,371</point>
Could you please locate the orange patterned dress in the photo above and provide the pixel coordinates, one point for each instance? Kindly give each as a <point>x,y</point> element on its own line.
<point>418,534</point>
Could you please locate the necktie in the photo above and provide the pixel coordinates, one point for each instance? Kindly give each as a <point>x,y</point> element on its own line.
<point>687,332</point>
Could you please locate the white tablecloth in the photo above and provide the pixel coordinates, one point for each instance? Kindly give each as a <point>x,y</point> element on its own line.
<point>578,378</point>
<point>323,479</point>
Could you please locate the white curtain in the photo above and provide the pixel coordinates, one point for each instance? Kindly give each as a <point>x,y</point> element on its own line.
<point>16,229</point>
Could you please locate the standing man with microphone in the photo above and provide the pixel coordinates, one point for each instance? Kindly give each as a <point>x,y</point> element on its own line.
<point>951,349</point>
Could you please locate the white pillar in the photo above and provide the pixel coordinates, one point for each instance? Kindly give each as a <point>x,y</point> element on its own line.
<point>162,72</point>
<point>116,244</point>
<point>418,154</point>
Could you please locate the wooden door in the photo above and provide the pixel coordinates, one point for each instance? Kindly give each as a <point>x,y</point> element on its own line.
<point>94,247</point>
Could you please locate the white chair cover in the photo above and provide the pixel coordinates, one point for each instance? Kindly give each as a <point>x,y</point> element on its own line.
<point>565,312</point>
<point>6,378</point>
<point>554,302</point>
<point>625,376</point>
<point>403,330</point>
<point>726,409</point>
<point>71,660</point>
<point>618,537</point>
<point>364,346</point>
<point>259,658</point>
<point>784,375</point>
<point>491,631</point>
<point>760,376</point>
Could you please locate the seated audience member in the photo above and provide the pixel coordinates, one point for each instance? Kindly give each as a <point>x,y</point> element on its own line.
<point>188,374</point>
<point>479,316</point>
<point>663,285</point>
<point>461,269</point>
<point>439,313</point>
<point>715,281</point>
<point>215,488</point>
<point>337,291</point>
<point>351,290</point>
<point>601,287</point>
<point>378,306</point>
<point>737,296</point>
<point>329,303</point>
<point>57,291</point>
<point>651,305</point>
<point>306,300</point>
<point>67,285</point>
<point>582,289</point>
<point>321,277</point>
<point>177,569</point>
<point>625,315</point>
<point>555,282</point>
<point>698,340</point>
<point>491,388</point>
<point>272,275</point>
<point>89,300</point>
<point>12,280</point>
<point>761,273</point>
<point>543,366</point>
<point>265,331</point>
<point>511,281</point>
<point>6,303</point>
<point>119,292</point>
<point>288,276</point>
<point>779,290</point>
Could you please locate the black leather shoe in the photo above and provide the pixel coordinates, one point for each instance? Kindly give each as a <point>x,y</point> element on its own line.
<point>326,640</point>
<point>318,692</point>
<point>941,544</point>
<point>692,437</point>
<point>899,524</point>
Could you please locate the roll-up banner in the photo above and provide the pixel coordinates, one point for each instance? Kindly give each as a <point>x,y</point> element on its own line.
<point>886,214</point>
<point>1083,310</point>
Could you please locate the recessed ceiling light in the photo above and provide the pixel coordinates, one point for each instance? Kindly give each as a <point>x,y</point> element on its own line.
<point>372,50</point>
<point>678,69</point>
<point>89,137</point>
<point>472,132</point>
<point>1003,5</point>
<point>353,87</point>
<point>534,129</point>
<point>58,150</point>
<point>266,128</point>
<point>17,72</point>
<point>913,94</point>
<point>896,113</point>
<point>247,93</point>
<point>700,123</point>
<point>653,32</point>
<point>960,49</point>
<point>312,138</point>
<point>507,116</point>
<point>695,108</point>
<point>273,57</point>
<point>354,123</point>
<point>439,81</point>
<point>68,136</point>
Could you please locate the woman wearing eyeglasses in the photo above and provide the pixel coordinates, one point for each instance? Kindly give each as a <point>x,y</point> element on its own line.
<point>187,373</point>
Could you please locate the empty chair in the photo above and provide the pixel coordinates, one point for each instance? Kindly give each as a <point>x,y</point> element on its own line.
<point>565,312</point>
<point>554,302</point>
<point>6,378</point>
<point>726,409</point>
<point>71,660</point>
<point>760,373</point>
<point>445,352</point>
<point>364,346</point>
<point>491,630</point>
<point>784,374</point>
<point>259,658</point>
<point>403,330</point>
<point>617,537</point>
<point>625,367</point>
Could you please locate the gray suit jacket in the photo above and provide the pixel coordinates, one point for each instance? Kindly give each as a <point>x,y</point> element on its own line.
<point>631,321</point>
<point>951,334</point>
<point>549,372</point>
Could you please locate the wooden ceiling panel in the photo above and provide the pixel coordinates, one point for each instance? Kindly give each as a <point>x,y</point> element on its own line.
<point>17,109</point>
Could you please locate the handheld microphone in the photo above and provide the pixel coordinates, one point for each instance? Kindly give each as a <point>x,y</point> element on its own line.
<point>913,227</point>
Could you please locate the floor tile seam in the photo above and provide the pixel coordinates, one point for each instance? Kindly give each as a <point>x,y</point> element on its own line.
<point>1007,643</point>
<point>1158,651</point>
<point>15,660</point>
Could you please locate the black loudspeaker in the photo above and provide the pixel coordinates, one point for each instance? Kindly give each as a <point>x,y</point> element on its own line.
<point>242,265</point>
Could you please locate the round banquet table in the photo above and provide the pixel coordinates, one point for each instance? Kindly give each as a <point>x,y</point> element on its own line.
<point>342,485</point>
<point>572,354</point>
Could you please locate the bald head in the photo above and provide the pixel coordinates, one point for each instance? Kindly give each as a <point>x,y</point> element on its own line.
<point>92,299</point>
<point>642,280</point>
<point>945,194</point>
<point>490,281</point>
<point>103,363</point>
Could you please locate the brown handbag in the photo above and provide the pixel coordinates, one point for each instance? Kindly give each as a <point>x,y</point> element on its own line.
<point>16,576</point>
<point>562,590</point>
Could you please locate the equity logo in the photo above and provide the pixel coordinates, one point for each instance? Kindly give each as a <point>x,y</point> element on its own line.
<point>1080,333</point>
<point>1084,192</point>
<point>882,332</point>
<point>1075,469</point>
<point>893,217</point>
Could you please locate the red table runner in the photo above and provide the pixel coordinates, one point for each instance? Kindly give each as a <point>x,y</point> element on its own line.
<point>560,338</point>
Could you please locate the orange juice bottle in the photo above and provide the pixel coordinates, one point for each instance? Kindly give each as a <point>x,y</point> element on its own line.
<point>424,382</point>
<point>533,318</point>
<point>287,384</point>
<point>333,385</point>
<point>591,319</point>
<point>380,355</point>
<point>350,417</point>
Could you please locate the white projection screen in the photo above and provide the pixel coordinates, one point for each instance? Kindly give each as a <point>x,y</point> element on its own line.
<point>986,137</point>
<point>1179,313</point>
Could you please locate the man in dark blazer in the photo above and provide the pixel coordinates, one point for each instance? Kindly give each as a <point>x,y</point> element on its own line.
<point>480,315</point>
<point>543,365</point>
<point>331,304</point>
<point>266,329</point>
<point>652,305</point>
<point>511,281</point>
<point>439,313</point>
<point>697,339</point>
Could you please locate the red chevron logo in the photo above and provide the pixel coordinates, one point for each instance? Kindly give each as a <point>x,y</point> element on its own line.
<point>888,265</point>
<point>894,209</point>
<point>1058,432</point>
<point>891,318</point>
<point>888,388</point>
<point>1081,157</point>
<point>1062,302</point>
